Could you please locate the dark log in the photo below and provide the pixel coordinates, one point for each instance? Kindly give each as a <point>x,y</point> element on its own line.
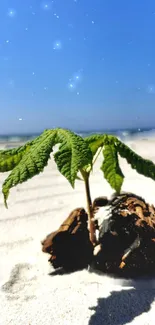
<point>127,238</point>
<point>70,246</point>
<point>126,244</point>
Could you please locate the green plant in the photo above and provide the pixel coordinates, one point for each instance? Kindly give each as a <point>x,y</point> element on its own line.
<point>75,159</point>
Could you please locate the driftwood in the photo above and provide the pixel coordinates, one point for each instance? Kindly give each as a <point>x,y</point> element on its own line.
<point>126,244</point>
<point>127,239</point>
<point>70,246</point>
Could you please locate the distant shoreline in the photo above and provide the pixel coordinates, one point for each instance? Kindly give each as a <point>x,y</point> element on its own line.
<point>123,134</point>
<point>109,130</point>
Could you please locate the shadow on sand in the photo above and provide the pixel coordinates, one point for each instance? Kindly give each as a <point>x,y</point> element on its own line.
<point>121,307</point>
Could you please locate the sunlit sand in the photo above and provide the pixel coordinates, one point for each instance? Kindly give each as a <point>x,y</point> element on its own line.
<point>29,293</point>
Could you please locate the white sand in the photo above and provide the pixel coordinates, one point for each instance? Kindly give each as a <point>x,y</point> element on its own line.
<point>29,294</point>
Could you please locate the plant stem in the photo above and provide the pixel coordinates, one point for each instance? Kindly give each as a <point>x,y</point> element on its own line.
<point>97,155</point>
<point>89,208</point>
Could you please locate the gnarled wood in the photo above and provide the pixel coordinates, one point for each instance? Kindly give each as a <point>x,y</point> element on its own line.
<point>70,246</point>
<point>126,243</point>
<point>126,239</point>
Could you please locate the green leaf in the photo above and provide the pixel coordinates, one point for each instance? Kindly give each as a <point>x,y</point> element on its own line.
<point>10,158</point>
<point>111,168</point>
<point>32,163</point>
<point>142,166</point>
<point>96,141</point>
<point>27,161</point>
<point>73,155</point>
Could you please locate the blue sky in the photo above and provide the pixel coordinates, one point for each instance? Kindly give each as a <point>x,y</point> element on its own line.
<point>78,64</point>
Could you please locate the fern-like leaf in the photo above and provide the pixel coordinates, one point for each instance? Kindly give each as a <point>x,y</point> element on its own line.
<point>95,141</point>
<point>142,166</point>
<point>32,162</point>
<point>111,168</point>
<point>73,154</point>
<point>11,158</point>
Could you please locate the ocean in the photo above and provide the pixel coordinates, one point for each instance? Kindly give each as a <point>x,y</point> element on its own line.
<point>13,140</point>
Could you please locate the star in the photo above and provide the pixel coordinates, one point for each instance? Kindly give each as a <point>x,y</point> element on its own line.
<point>11,13</point>
<point>57,45</point>
<point>77,76</point>
<point>151,89</point>
<point>73,82</point>
<point>57,16</point>
<point>46,6</point>
<point>71,86</point>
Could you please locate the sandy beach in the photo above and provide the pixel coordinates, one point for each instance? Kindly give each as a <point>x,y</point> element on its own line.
<point>29,293</point>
